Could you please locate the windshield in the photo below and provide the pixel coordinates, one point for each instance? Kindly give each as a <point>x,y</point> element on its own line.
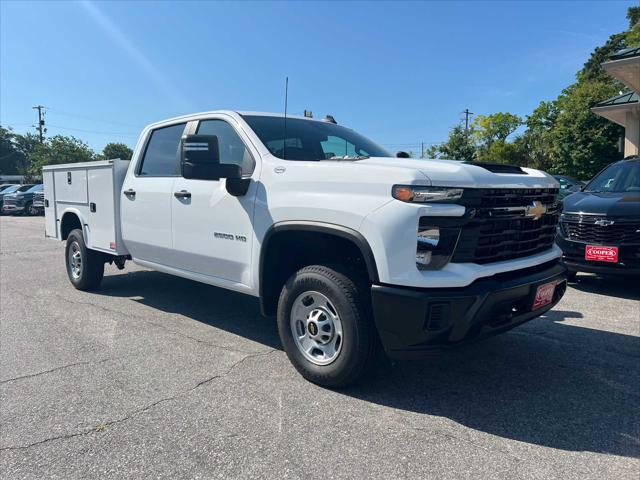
<point>620,177</point>
<point>24,188</point>
<point>35,188</point>
<point>5,187</point>
<point>11,189</point>
<point>311,140</point>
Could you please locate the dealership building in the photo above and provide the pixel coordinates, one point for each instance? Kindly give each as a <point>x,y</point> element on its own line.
<point>625,108</point>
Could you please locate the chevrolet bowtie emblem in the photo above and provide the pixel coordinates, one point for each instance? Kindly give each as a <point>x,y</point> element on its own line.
<point>535,210</point>
<point>604,223</point>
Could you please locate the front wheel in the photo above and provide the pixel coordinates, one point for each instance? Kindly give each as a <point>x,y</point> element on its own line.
<point>31,210</point>
<point>325,325</point>
<point>85,267</point>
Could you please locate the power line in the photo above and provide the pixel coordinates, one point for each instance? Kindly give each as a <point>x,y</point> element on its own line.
<point>94,131</point>
<point>85,117</point>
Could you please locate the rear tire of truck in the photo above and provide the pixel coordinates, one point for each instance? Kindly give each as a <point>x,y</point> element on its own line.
<point>325,325</point>
<point>85,267</point>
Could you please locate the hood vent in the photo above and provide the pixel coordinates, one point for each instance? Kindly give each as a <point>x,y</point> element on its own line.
<point>499,168</point>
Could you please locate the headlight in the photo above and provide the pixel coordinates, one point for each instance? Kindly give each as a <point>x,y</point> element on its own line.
<point>419,194</point>
<point>435,246</point>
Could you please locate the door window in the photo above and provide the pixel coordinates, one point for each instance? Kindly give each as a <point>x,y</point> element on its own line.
<point>161,157</point>
<point>232,148</point>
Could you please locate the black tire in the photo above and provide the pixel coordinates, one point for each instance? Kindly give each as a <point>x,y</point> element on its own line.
<point>351,298</point>
<point>29,210</point>
<point>91,271</point>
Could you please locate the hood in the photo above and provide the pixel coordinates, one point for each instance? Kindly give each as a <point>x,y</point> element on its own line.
<point>609,204</point>
<point>452,173</point>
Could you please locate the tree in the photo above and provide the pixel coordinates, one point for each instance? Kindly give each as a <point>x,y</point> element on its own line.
<point>633,35</point>
<point>534,144</point>
<point>116,150</point>
<point>489,129</point>
<point>56,150</point>
<point>12,159</point>
<point>501,151</point>
<point>457,147</point>
<point>582,143</point>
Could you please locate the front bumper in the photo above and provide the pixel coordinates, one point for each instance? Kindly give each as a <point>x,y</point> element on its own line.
<point>413,322</point>
<point>573,254</point>
<point>12,208</point>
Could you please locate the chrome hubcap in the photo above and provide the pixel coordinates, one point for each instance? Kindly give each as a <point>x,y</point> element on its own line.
<point>75,260</point>
<point>316,328</point>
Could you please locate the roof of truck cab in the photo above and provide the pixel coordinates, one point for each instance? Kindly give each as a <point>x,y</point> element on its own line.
<point>232,113</point>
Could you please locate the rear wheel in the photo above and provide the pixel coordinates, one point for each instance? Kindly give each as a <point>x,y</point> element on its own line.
<point>325,325</point>
<point>85,267</point>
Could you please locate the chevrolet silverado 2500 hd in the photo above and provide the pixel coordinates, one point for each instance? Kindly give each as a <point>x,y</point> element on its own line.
<point>347,245</point>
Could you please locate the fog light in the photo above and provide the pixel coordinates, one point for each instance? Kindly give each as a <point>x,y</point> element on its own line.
<point>430,236</point>
<point>435,246</point>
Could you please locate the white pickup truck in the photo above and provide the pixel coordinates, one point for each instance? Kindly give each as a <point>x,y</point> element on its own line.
<point>349,246</point>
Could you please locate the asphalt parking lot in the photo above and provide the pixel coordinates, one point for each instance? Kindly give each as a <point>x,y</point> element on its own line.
<point>156,376</point>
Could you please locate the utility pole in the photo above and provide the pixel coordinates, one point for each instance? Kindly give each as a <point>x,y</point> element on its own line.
<point>467,114</point>
<point>422,150</point>
<point>40,126</point>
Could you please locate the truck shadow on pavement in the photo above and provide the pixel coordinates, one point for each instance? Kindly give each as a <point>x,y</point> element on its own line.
<point>620,287</point>
<point>548,382</point>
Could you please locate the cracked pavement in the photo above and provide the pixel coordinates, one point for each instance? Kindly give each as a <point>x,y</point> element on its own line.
<point>154,376</point>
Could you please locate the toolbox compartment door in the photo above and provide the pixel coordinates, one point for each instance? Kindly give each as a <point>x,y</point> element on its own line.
<point>50,224</point>
<point>101,217</point>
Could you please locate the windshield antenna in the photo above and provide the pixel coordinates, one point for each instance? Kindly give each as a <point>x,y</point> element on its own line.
<point>286,97</point>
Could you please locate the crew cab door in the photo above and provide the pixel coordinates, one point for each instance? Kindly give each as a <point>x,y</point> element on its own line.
<point>147,194</point>
<point>212,230</point>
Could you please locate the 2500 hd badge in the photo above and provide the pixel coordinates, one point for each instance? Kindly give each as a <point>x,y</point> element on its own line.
<point>229,236</point>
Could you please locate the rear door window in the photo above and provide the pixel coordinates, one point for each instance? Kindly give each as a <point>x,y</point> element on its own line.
<point>161,158</point>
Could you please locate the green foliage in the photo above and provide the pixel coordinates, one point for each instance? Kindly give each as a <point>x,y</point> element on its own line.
<point>457,147</point>
<point>582,143</point>
<point>12,160</point>
<point>56,150</point>
<point>633,15</point>
<point>491,129</point>
<point>116,150</point>
<point>633,35</point>
<point>592,69</point>
<point>501,151</point>
<point>23,154</point>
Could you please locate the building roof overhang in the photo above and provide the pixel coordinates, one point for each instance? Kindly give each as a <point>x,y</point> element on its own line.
<point>625,66</point>
<point>616,108</point>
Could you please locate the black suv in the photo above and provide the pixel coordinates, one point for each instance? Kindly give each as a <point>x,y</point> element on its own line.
<point>599,228</point>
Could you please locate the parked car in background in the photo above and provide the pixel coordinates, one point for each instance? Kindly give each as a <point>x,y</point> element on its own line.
<point>21,200</point>
<point>4,186</point>
<point>8,189</point>
<point>38,202</point>
<point>568,185</point>
<point>599,229</point>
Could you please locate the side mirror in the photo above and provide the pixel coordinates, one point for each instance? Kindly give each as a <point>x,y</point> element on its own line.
<point>402,155</point>
<point>200,159</point>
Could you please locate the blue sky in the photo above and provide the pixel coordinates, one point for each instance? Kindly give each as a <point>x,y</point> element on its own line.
<point>401,73</point>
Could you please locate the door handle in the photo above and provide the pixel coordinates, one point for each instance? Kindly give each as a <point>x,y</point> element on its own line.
<point>182,194</point>
<point>129,193</point>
